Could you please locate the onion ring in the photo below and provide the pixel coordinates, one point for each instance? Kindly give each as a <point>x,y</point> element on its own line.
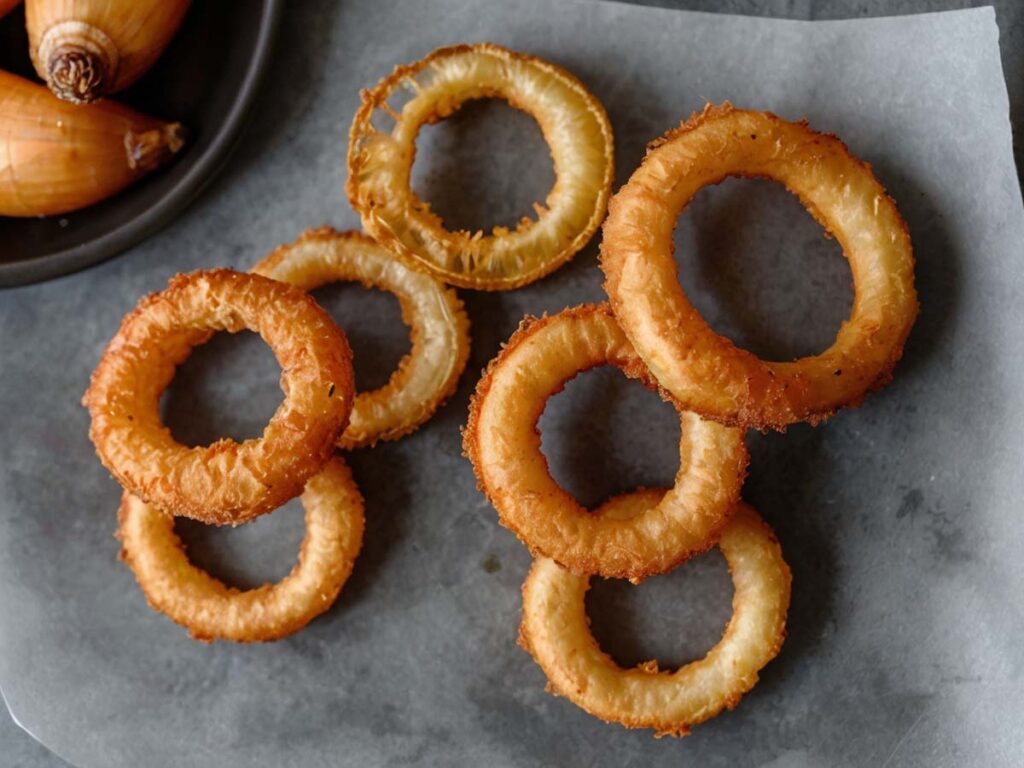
<point>425,377</point>
<point>225,482</point>
<point>502,441</point>
<point>707,372</point>
<point>380,164</point>
<point>210,610</point>
<point>556,632</point>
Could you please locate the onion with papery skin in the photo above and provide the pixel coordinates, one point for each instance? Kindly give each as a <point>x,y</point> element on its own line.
<point>556,632</point>
<point>88,49</point>
<point>707,372</point>
<point>56,157</point>
<point>425,377</point>
<point>225,482</point>
<point>213,611</point>
<point>502,441</point>
<point>574,125</point>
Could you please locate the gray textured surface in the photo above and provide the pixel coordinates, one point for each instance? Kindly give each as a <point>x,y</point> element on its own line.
<point>900,519</point>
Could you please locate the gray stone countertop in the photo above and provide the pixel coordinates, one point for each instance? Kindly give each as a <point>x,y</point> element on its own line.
<point>19,750</point>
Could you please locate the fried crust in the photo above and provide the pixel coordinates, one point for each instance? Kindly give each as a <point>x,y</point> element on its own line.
<point>502,442</point>
<point>572,120</point>
<point>556,632</point>
<point>211,610</point>
<point>707,372</point>
<point>225,482</point>
<point>437,322</point>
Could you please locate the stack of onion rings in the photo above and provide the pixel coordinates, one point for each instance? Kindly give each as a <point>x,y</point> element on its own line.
<point>650,331</point>
<point>380,165</point>
<point>425,377</point>
<point>232,483</point>
<point>663,342</point>
<point>633,536</point>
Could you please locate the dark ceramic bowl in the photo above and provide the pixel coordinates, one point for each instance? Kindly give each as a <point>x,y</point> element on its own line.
<point>206,79</point>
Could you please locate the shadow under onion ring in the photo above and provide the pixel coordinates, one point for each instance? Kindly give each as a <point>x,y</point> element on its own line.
<point>556,632</point>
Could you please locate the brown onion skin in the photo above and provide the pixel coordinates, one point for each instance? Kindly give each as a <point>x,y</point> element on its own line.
<point>88,49</point>
<point>56,157</point>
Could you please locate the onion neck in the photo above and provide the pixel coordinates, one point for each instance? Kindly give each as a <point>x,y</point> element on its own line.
<point>148,150</point>
<point>80,61</point>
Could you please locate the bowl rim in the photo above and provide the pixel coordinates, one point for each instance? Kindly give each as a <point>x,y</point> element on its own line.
<point>198,176</point>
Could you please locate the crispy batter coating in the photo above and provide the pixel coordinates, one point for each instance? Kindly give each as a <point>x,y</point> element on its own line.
<point>502,441</point>
<point>438,325</point>
<point>707,372</point>
<point>380,163</point>
<point>225,482</point>
<point>556,631</point>
<point>211,610</point>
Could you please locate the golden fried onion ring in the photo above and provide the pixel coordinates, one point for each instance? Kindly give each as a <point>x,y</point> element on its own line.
<point>555,630</point>
<point>438,325</point>
<point>212,611</point>
<point>380,163</point>
<point>707,372</point>
<point>225,482</point>
<point>502,441</point>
